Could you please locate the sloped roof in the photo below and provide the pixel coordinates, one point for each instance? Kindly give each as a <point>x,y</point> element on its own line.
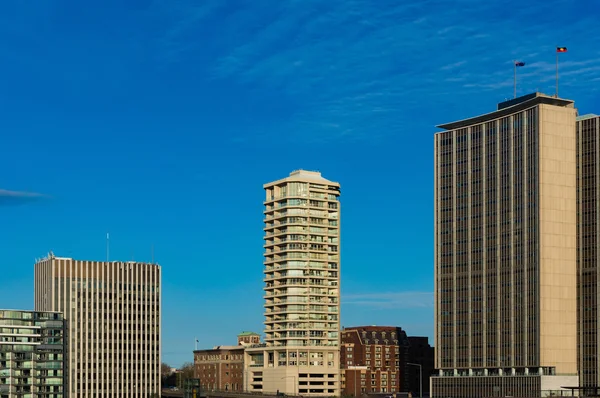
<point>248,334</point>
<point>304,176</point>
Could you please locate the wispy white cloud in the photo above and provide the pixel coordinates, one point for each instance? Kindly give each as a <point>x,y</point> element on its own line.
<point>355,68</point>
<point>391,300</point>
<point>453,65</point>
<point>18,197</point>
<point>182,19</point>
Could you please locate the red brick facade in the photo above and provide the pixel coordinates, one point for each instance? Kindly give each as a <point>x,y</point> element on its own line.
<point>373,360</point>
<point>380,360</point>
<point>220,369</point>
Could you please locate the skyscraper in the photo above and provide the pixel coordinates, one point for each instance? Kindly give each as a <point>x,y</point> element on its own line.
<point>302,276</point>
<point>113,318</point>
<point>505,251</point>
<point>588,241</point>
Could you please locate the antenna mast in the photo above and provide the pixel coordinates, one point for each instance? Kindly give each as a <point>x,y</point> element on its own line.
<point>107,246</point>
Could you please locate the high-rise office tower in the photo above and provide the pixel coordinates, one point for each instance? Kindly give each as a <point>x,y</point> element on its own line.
<point>588,241</point>
<point>505,251</point>
<point>113,319</point>
<point>302,296</point>
<point>32,354</point>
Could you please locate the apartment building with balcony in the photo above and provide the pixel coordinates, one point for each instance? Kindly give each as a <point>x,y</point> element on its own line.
<point>113,315</point>
<point>32,354</point>
<point>300,354</point>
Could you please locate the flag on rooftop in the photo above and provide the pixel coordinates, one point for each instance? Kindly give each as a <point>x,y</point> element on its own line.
<point>561,49</point>
<point>519,63</point>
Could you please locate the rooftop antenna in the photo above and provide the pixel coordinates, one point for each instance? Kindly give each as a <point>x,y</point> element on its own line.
<point>152,252</point>
<point>107,246</point>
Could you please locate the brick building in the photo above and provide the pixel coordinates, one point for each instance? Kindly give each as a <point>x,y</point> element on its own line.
<point>372,360</point>
<point>222,368</point>
<point>376,359</point>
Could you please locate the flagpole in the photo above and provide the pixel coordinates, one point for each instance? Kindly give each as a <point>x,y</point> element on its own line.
<point>515,79</point>
<point>557,72</point>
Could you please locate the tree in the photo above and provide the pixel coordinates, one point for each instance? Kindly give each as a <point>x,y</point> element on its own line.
<point>165,374</point>
<point>165,370</point>
<point>187,371</point>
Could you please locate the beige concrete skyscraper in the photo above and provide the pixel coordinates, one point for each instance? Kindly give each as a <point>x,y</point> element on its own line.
<point>505,251</point>
<point>113,319</point>
<point>302,296</point>
<point>588,241</point>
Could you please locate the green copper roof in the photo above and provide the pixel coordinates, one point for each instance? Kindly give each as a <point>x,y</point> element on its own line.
<point>248,334</point>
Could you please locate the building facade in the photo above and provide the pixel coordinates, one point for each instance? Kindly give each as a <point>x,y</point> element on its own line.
<point>383,360</point>
<point>505,251</point>
<point>373,359</point>
<point>220,369</point>
<point>113,314</point>
<point>302,296</point>
<point>248,338</point>
<point>422,353</point>
<point>588,211</point>
<point>32,354</point>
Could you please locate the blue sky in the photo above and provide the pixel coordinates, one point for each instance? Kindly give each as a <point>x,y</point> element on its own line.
<point>159,121</point>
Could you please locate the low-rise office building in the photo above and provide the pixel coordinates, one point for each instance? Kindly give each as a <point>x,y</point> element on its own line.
<point>372,360</point>
<point>222,367</point>
<point>384,360</point>
<point>32,349</point>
